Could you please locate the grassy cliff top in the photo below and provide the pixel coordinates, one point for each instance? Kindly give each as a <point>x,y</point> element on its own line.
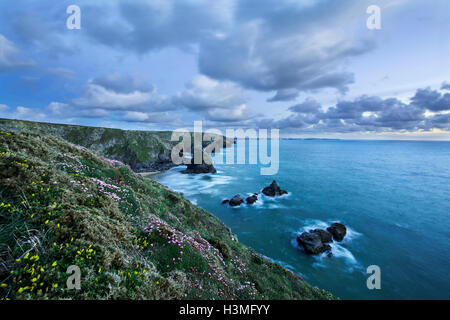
<point>132,238</point>
<point>139,149</point>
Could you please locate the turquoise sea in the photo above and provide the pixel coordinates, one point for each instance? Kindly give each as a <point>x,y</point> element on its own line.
<point>394,197</point>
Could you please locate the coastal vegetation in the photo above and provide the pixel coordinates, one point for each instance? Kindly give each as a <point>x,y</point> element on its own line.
<point>62,204</point>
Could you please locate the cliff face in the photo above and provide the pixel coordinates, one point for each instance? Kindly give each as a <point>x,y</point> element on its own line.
<point>141,150</point>
<point>62,205</point>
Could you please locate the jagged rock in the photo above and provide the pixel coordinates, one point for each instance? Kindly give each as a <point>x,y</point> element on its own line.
<point>236,201</point>
<point>312,243</point>
<point>205,167</point>
<point>338,230</point>
<point>325,236</point>
<point>252,199</point>
<point>199,168</point>
<point>274,190</point>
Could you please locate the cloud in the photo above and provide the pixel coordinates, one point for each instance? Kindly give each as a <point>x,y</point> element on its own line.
<point>239,113</point>
<point>284,95</point>
<point>23,113</point>
<point>427,110</point>
<point>291,47</point>
<point>203,93</point>
<point>44,34</point>
<point>57,109</point>
<point>135,116</point>
<point>308,106</point>
<point>142,26</point>
<point>96,96</point>
<point>10,57</point>
<point>445,86</point>
<point>431,100</point>
<point>150,117</point>
<point>63,73</point>
<point>122,92</point>
<point>124,83</point>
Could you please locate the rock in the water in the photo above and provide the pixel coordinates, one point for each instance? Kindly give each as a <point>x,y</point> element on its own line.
<point>225,201</point>
<point>204,167</point>
<point>236,201</point>
<point>312,243</point>
<point>274,190</point>
<point>338,230</point>
<point>325,236</point>
<point>252,199</point>
<point>199,168</point>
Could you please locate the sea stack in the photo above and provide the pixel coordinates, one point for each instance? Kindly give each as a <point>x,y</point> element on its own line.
<point>205,167</point>
<point>274,190</point>
<point>338,230</point>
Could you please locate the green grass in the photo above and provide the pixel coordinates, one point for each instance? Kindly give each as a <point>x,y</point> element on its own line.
<point>63,205</point>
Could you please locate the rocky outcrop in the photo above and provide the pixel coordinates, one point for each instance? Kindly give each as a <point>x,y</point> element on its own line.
<point>252,199</point>
<point>312,243</point>
<point>338,230</point>
<point>199,168</point>
<point>205,167</point>
<point>316,241</point>
<point>325,236</point>
<point>273,190</point>
<point>236,201</point>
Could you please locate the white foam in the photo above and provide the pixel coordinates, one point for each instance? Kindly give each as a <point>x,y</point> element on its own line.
<point>338,249</point>
<point>193,184</point>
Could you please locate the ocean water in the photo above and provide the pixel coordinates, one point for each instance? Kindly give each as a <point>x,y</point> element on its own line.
<point>393,196</point>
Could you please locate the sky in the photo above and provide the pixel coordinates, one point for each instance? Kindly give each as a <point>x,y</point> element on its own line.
<point>310,68</point>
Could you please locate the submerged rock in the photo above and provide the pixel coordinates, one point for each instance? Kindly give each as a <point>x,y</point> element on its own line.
<point>338,230</point>
<point>274,190</point>
<point>252,199</point>
<point>236,201</point>
<point>312,243</point>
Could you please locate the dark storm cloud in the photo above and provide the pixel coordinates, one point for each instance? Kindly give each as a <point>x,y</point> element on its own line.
<point>432,100</point>
<point>309,106</point>
<point>142,26</point>
<point>296,62</point>
<point>282,46</point>
<point>441,121</point>
<point>369,114</point>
